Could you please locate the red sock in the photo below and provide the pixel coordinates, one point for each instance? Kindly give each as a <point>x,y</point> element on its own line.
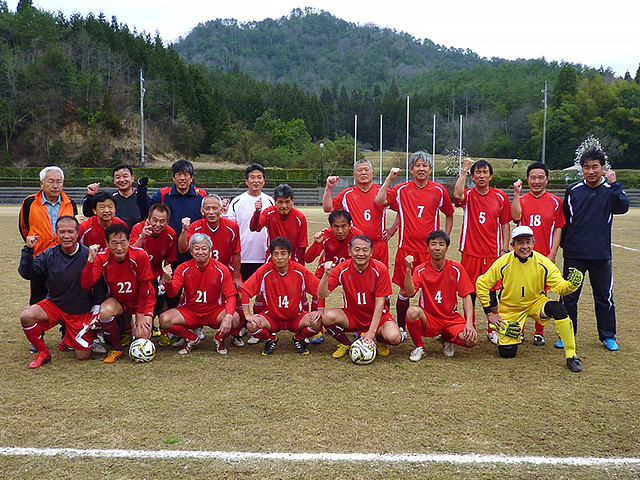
<point>34,335</point>
<point>402,305</point>
<point>182,332</point>
<point>314,304</point>
<point>337,332</point>
<point>306,332</point>
<point>111,333</point>
<point>415,332</point>
<point>539,328</point>
<point>263,334</point>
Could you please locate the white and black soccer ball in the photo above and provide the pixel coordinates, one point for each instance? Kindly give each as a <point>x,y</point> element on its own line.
<point>362,353</point>
<point>142,350</point>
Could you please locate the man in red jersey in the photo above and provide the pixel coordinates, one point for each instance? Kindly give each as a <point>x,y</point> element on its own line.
<point>365,286</point>
<point>542,211</point>
<point>417,203</point>
<point>283,220</point>
<point>283,284</point>
<point>92,230</point>
<point>359,200</point>
<point>209,297</point>
<point>485,225</point>
<point>442,281</point>
<point>156,237</point>
<point>127,272</point>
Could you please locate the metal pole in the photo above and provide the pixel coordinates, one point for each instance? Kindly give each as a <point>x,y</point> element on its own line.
<point>380,172</point>
<point>322,162</point>
<point>406,170</point>
<point>355,142</point>
<point>142,91</point>
<point>460,149</point>
<point>433,149</point>
<point>544,126</point>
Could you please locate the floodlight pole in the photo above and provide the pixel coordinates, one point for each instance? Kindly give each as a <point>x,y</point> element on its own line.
<point>544,126</point>
<point>380,172</point>
<point>460,149</point>
<point>406,170</point>
<point>433,149</point>
<point>142,91</point>
<point>355,142</point>
<point>321,162</point>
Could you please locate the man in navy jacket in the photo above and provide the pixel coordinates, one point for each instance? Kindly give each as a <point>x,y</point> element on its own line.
<point>589,206</point>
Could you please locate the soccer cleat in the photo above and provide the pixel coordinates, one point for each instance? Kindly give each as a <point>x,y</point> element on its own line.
<point>221,348</point>
<point>522,336</point>
<point>270,346</point>
<point>164,340</point>
<point>403,332</point>
<point>417,354</point>
<point>113,355</point>
<point>341,351</point>
<point>447,349</point>
<point>383,349</point>
<point>155,331</point>
<point>493,337</point>
<point>178,343</point>
<point>559,344</point>
<point>301,347</point>
<point>199,332</point>
<point>538,340</point>
<point>611,344</point>
<point>243,331</point>
<point>98,347</point>
<point>237,340</point>
<point>125,340</point>
<point>188,345</point>
<point>317,338</point>
<point>253,340</point>
<point>41,359</point>
<point>33,349</point>
<point>574,364</point>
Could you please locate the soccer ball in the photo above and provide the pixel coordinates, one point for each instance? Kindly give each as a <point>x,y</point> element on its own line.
<point>142,350</point>
<point>362,353</point>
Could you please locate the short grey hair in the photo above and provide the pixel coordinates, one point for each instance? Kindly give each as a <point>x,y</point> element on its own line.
<point>362,160</point>
<point>45,170</point>
<point>420,155</point>
<point>211,195</point>
<point>200,237</point>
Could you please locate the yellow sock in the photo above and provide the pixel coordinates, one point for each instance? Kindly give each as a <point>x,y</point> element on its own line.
<point>564,327</point>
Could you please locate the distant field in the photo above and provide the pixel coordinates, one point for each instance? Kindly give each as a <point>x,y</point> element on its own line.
<point>473,403</point>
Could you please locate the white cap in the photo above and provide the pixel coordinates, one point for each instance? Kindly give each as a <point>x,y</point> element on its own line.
<point>521,231</point>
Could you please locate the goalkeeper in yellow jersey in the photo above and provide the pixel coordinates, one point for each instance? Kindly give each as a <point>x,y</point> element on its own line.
<point>524,274</point>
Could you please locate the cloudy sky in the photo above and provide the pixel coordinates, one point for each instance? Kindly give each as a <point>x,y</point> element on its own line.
<point>602,33</point>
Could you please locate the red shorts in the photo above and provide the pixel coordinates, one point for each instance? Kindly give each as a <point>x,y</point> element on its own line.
<point>357,325</point>
<point>400,267</point>
<point>77,335</point>
<point>448,328</point>
<point>149,305</point>
<point>292,325</point>
<point>196,320</point>
<point>381,252</point>
<point>476,266</point>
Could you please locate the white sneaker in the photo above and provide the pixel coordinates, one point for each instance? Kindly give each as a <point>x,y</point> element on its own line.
<point>447,349</point>
<point>404,334</point>
<point>417,354</point>
<point>178,343</point>
<point>188,346</point>
<point>493,337</point>
<point>253,340</point>
<point>237,340</point>
<point>98,347</point>
<point>243,332</point>
<point>198,331</point>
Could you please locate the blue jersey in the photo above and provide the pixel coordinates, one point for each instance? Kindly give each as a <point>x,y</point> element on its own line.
<point>589,215</point>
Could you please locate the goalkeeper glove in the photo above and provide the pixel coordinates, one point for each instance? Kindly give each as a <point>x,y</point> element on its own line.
<point>143,181</point>
<point>575,277</point>
<point>512,329</point>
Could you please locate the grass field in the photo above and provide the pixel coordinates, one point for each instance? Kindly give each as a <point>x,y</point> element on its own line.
<point>473,403</point>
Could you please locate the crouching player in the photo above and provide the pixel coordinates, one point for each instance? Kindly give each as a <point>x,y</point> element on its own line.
<point>283,284</point>
<point>440,280</point>
<point>524,274</point>
<point>365,286</point>
<point>67,302</point>
<point>209,297</point>
<point>127,272</point>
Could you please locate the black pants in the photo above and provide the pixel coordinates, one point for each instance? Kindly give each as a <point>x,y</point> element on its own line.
<point>601,278</point>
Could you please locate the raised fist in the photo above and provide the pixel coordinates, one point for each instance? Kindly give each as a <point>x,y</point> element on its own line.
<point>93,188</point>
<point>331,181</point>
<point>186,223</point>
<point>517,187</point>
<point>258,205</point>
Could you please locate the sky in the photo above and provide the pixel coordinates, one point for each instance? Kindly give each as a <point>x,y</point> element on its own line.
<point>602,33</point>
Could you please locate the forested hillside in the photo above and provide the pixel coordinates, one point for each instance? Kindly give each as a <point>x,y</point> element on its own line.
<point>272,91</point>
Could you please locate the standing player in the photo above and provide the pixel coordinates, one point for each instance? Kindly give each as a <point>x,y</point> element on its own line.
<point>156,237</point>
<point>283,284</point>
<point>365,286</point>
<point>524,274</point>
<point>67,302</point>
<point>442,281</point>
<point>417,203</point>
<point>542,211</point>
<point>283,220</point>
<point>209,297</point>
<point>359,200</point>
<point>589,207</point>
<point>128,275</point>
<point>485,226</point>
<point>92,230</point>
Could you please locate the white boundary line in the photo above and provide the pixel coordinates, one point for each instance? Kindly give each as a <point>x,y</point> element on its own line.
<point>324,457</point>
<point>626,248</point>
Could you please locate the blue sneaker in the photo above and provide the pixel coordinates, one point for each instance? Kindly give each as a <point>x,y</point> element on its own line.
<point>610,344</point>
<point>559,344</point>
<point>317,338</point>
